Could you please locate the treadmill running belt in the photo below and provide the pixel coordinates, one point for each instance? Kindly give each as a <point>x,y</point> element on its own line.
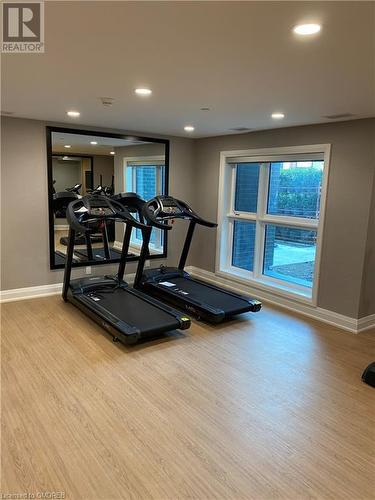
<point>215,298</point>
<point>99,254</point>
<point>80,240</point>
<point>132,310</point>
<point>60,258</point>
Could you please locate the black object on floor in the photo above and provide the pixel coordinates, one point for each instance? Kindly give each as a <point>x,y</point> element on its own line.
<point>368,376</point>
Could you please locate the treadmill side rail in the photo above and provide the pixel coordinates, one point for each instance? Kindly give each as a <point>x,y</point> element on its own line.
<point>199,309</point>
<point>184,321</point>
<point>255,304</point>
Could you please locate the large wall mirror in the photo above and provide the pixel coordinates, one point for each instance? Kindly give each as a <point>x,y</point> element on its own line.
<point>80,161</point>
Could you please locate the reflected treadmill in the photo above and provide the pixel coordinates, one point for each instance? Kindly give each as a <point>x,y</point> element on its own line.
<point>127,314</point>
<point>174,285</point>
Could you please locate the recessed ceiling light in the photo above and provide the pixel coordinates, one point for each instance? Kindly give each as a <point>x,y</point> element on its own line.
<point>73,114</point>
<point>112,153</point>
<point>278,116</point>
<point>189,128</point>
<point>67,146</point>
<point>93,143</point>
<point>143,91</point>
<point>307,29</point>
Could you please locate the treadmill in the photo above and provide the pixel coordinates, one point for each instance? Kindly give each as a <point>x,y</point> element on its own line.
<point>105,252</point>
<point>127,314</point>
<point>173,284</point>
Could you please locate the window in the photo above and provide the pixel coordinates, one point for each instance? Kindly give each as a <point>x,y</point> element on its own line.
<point>270,215</point>
<point>146,177</point>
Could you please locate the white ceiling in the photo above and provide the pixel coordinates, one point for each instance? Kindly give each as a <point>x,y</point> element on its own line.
<point>81,143</point>
<point>240,59</point>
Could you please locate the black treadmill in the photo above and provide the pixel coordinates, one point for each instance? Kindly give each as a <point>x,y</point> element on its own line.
<point>127,314</point>
<point>174,285</point>
<point>105,252</point>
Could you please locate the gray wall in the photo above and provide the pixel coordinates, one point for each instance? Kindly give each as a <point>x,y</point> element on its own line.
<point>66,174</point>
<point>103,165</point>
<point>348,262</point>
<point>367,305</point>
<point>24,201</point>
<point>348,202</point>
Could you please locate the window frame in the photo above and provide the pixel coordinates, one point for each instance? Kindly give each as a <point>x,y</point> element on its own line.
<point>227,215</point>
<point>139,161</point>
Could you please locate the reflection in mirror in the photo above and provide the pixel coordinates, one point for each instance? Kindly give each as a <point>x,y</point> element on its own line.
<point>83,164</point>
<point>143,174</point>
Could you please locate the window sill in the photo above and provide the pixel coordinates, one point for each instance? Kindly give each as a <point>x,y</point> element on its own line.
<point>136,248</point>
<point>305,296</point>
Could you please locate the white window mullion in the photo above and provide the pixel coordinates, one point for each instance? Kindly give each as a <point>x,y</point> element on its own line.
<point>233,179</point>
<point>230,219</point>
<point>159,189</point>
<point>242,216</point>
<point>259,249</point>
<point>260,227</point>
<point>283,220</point>
<point>230,244</point>
<point>134,179</point>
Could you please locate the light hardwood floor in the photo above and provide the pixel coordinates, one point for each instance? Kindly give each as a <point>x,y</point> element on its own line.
<point>268,406</point>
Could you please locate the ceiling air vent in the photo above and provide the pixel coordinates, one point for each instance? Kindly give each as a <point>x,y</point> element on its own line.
<point>240,129</point>
<point>107,101</point>
<point>339,116</point>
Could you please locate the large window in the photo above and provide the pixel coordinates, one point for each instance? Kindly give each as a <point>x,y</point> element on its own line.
<point>270,214</point>
<point>146,177</point>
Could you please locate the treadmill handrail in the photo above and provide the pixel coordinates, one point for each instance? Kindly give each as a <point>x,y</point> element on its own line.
<point>119,213</point>
<point>150,217</point>
<point>195,216</point>
<point>187,212</point>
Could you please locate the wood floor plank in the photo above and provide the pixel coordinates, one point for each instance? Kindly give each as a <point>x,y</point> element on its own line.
<point>268,406</point>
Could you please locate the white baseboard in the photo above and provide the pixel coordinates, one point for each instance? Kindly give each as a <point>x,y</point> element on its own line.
<point>34,292</point>
<point>30,292</point>
<point>352,325</point>
<point>366,323</point>
<point>133,248</point>
<point>117,245</point>
<point>347,323</point>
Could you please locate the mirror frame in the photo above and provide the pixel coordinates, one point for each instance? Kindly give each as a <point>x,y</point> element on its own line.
<point>50,154</point>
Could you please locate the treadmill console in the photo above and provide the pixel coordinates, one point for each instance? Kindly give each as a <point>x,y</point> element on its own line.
<point>100,211</point>
<point>170,208</point>
<point>163,208</point>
